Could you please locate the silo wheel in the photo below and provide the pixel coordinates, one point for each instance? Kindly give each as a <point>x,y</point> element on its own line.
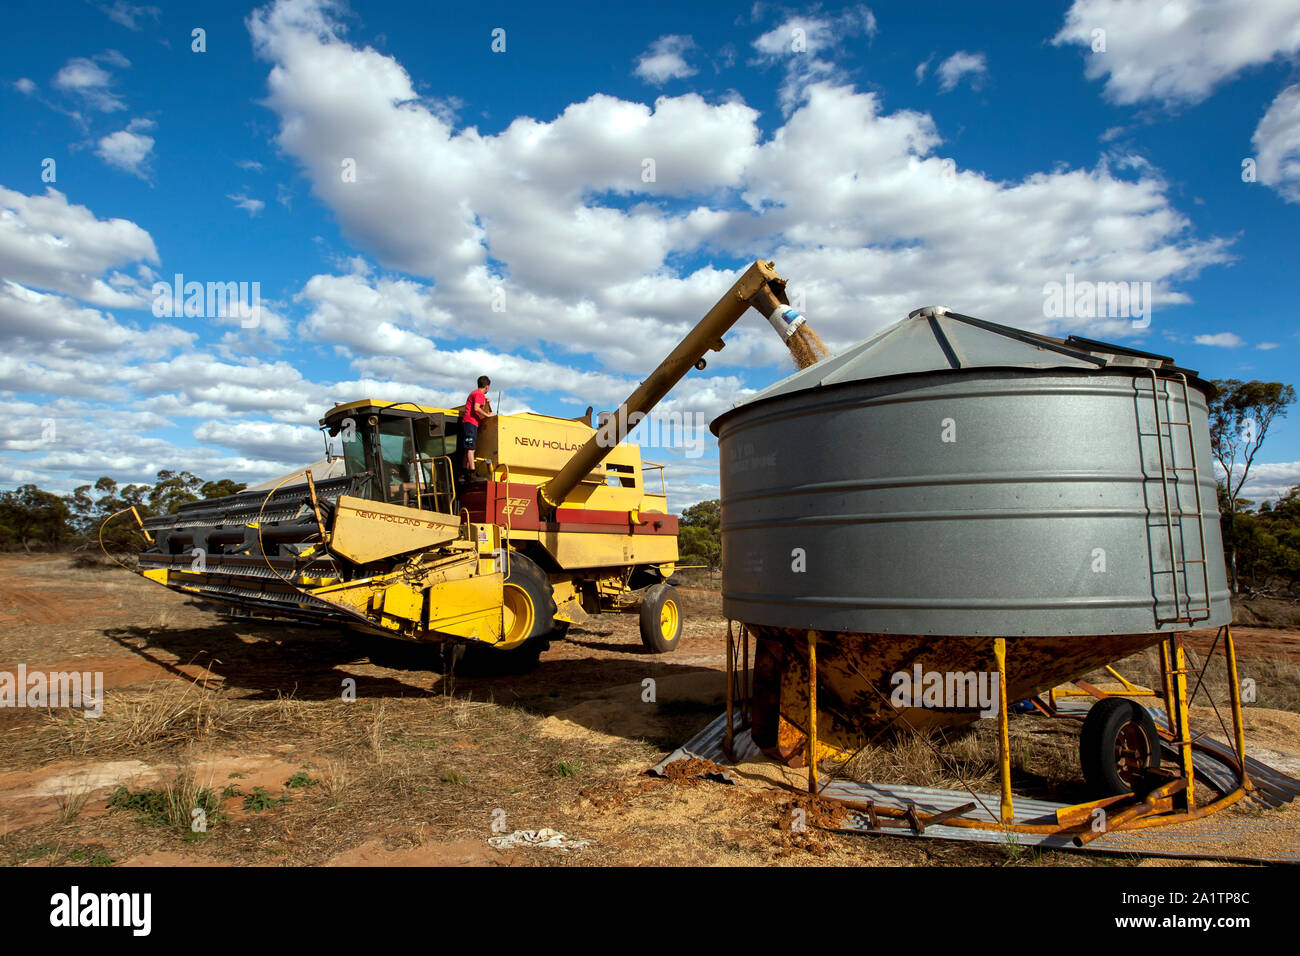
<point>1118,746</point>
<point>661,618</point>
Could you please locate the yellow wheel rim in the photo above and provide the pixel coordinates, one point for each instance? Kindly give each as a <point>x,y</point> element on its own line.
<point>517,614</point>
<point>668,619</point>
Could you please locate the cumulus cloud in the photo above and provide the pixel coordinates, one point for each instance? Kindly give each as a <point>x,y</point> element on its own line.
<point>128,149</point>
<point>1277,145</point>
<point>1177,52</point>
<point>972,67</point>
<point>250,206</point>
<point>923,67</point>
<point>24,86</point>
<point>1266,480</point>
<point>855,203</point>
<point>666,60</point>
<point>128,14</point>
<point>809,45</point>
<point>48,243</point>
<point>1224,340</point>
<point>87,79</point>
<point>544,256</point>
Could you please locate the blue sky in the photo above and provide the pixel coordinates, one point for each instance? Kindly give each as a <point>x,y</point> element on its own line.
<point>886,156</point>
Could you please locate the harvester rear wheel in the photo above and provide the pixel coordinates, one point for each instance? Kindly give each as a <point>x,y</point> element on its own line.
<point>1118,746</point>
<point>528,615</point>
<point>661,618</point>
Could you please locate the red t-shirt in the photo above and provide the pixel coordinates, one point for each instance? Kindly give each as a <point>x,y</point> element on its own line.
<point>476,397</point>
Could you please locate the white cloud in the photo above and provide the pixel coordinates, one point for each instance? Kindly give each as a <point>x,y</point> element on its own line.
<point>276,441</point>
<point>855,204</point>
<point>128,13</point>
<point>808,45</point>
<point>863,210</point>
<point>87,79</point>
<point>1267,346</point>
<point>972,67</point>
<point>1277,145</point>
<point>251,206</point>
<point>665,60</point>
<point>1266,480</point>
<point>47,243</point>
<point>24,86</point>
<point>1225,340</point>
<point>1178,52</point>
<point>127,150</point>
<point>923,67</point>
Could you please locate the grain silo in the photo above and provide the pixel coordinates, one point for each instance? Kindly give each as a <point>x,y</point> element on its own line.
<point>947,482</point>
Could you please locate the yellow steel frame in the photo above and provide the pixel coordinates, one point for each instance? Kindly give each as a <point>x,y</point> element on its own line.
<point>1172,802</point>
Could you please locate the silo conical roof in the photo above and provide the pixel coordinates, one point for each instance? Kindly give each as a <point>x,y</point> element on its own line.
<point>935,339</point>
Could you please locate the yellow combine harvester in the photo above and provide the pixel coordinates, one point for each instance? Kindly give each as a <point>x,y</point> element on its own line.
<point>560,526</point>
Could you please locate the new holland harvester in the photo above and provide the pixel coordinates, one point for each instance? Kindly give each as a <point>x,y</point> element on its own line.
<point>560,526</point>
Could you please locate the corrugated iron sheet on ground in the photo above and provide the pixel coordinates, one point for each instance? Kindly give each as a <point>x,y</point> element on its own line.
<point>1238,837</point>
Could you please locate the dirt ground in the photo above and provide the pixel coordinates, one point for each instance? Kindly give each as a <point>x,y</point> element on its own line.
<point>253,723</point>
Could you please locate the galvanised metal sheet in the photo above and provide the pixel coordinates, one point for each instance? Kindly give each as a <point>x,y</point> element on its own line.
<point>1226,835</point>
<point>978,500</point>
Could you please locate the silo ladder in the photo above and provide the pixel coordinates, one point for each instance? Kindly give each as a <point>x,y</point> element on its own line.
<point>1167,471</point>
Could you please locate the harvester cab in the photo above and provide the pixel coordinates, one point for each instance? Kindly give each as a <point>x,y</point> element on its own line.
<point>564,521</point>
<point>401,454</point>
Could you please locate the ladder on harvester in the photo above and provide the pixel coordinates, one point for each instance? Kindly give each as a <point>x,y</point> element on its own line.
<point>1184,612</point>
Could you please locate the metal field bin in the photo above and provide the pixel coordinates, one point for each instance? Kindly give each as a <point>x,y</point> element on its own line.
<point>950,476</point>
<point>981,513</point>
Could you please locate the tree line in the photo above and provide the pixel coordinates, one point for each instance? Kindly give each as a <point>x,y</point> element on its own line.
<point>36,520</point>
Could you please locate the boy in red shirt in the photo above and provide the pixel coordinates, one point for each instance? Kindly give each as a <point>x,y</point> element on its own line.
<point>477,408</point>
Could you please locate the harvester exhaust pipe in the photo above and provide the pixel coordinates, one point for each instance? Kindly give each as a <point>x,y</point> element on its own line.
<point>761,287</point>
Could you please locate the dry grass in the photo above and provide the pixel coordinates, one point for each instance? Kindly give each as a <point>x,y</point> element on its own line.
<point>917,760</point>
<point>167,713</point>
<point>71,804</point>
<point>335,782</point>
<point>1276,679</point>
<point>1044,759</point>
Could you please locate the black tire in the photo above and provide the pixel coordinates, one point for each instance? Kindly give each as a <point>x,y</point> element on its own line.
<point>1118,746</point>
<point>661,618</point>
<point>526,582</point>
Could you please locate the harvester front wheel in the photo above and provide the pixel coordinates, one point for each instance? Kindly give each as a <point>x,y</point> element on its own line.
<point>661,618</point>
<point>528,622</point>
<point>1118,746</point>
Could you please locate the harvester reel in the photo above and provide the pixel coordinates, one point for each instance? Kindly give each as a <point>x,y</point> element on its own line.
<point>1118,746</point>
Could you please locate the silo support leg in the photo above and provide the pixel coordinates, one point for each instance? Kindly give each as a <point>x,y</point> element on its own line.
<point>731,679</point>
<point>812,712</point>
<point>1181,725</point>
<point>1004,729</point>
<point>1166,684</point>
<point>1234,683</point>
